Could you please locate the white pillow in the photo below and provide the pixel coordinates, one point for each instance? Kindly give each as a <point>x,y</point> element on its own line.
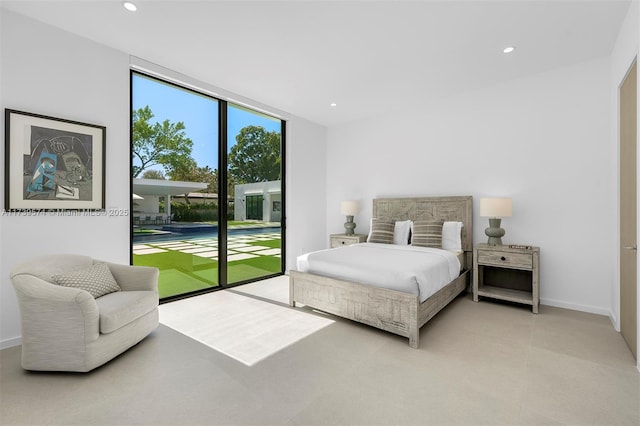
<point>451,236</point>
<point>401,231</point>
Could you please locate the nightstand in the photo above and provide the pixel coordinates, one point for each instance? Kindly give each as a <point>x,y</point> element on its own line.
<point>338,240</point>
<point>505,273</point>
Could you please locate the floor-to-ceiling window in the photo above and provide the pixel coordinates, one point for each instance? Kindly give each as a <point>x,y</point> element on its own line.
<point>196,161</point>
<point>254,173</point>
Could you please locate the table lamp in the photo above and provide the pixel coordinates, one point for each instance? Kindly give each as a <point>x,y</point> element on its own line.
<point>495,209</point>
<point>349,209</point>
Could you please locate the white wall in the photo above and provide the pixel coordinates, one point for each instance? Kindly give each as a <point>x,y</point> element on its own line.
<point>306,189</point>
<point>544,140</point>
<point>51,72</point>
<point>3,292</point>
<point>150,204</point>
<point>48,71</point>
<point>270,191</point>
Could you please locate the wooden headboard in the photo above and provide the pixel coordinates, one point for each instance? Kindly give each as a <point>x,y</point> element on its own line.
<point>457,208</point>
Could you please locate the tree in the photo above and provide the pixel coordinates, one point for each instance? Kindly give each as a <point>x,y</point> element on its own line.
<point>153,174</point>
<point>164,144</point>
<point>206,174</point>
<point>256,156</point>
<point>199,174</point>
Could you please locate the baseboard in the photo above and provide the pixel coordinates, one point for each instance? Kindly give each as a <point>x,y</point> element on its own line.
<point>574,307</point>
<point>9,343</point>
<point>615,324</point>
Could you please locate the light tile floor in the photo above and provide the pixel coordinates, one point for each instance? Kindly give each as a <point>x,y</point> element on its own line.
<point>480,363</point>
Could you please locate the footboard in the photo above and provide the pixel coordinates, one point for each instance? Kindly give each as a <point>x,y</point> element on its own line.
<point>389,310</point>
<point>442,298</point>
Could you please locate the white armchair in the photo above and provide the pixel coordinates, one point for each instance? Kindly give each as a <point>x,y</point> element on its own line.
<point>66,328</point>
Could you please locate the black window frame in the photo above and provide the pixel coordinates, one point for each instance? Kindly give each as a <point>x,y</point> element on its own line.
<point>223,201</point>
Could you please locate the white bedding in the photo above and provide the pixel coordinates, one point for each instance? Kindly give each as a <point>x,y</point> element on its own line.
<point>415,270</point>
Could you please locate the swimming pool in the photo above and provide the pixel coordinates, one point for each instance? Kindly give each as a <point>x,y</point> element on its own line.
<point>186,232</point>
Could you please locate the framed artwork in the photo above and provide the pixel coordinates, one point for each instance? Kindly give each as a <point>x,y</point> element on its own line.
<point>52,163</point>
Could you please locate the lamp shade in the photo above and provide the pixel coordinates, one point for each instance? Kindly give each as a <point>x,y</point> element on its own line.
<point>495,207</point>
<point>349,208</point>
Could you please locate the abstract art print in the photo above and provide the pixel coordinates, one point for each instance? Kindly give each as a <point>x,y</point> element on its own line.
<point>52,163</point>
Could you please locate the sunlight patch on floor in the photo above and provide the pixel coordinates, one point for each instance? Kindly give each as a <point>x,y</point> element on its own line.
<point>244,328</point>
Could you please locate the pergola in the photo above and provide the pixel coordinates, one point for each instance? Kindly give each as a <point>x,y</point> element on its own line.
<point>165,188</point>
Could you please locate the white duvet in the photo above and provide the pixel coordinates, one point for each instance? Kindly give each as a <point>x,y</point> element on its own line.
<point>415,270</point>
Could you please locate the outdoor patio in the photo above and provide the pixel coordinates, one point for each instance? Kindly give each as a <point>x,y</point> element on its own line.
<point>190,263</point>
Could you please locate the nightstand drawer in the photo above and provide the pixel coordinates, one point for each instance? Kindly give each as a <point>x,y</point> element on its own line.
<point>505,260</point>
<point>339,240</point>
<point>342,241</point>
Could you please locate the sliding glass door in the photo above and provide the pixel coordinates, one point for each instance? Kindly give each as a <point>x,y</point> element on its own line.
<point>202,228</point>
<point>254,157</point>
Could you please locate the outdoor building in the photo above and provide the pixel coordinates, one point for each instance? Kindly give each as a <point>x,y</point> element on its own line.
<point>149,191</point>
<point>259,201</point>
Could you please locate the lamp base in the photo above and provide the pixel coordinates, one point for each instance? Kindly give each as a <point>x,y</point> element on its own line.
<point>494,232</point>
<point>349,226</point>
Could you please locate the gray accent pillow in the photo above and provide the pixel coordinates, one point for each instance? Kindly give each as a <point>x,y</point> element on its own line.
<point>382,231</point>
<point>96,279</point>
<point>427,233</point>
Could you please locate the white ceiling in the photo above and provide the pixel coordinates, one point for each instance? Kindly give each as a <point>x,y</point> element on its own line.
<point>369,57</point>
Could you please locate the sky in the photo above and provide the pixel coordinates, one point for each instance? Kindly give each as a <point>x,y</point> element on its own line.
<point>199,114</point>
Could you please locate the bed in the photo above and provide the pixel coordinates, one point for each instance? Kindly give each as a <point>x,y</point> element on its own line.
<point>398,312</point>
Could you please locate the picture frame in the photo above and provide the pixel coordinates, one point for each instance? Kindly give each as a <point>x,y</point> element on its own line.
<point>53,163</point>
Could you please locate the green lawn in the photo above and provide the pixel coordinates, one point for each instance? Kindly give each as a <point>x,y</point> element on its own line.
<point>252,268</point>
<point>269,243</point>
<point>144,231</point>
<point>184,272</point>
<point>180,272</point>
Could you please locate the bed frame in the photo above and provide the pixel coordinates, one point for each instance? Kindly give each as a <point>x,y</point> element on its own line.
<point>391,310</point>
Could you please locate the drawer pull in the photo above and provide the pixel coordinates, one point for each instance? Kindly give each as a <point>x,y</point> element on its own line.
<point>341,242</point>
<point>503,258</point>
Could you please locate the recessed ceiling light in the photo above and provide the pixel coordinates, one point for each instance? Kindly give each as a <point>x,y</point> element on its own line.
<point>129,6</point>
<point>333,104</point>
<point>509,49</point>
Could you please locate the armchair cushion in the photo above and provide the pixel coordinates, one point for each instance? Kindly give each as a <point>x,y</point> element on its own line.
<point>120,308</point>
<point>96,279</point>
